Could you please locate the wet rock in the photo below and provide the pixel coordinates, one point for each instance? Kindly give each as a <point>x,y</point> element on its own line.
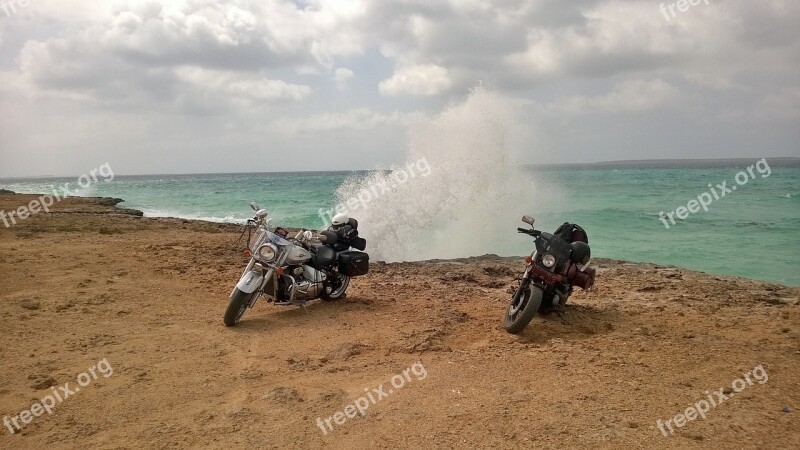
<point>109,201</point>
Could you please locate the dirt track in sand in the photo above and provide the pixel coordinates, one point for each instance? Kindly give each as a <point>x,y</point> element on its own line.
<point>148,295</point>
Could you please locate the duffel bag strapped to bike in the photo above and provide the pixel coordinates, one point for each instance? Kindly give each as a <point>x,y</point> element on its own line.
<point>329,238</point>
<point>346,231</point>
<point>571,232</point>
<point>583,279</point>
<point>348,236</point>
<point>353,264</point>
<point>359,243</point>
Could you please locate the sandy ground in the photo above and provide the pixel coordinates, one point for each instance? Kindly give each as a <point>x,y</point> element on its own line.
<point>86,283</point>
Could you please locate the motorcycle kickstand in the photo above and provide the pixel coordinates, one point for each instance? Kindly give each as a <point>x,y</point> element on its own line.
<point>561,316</point>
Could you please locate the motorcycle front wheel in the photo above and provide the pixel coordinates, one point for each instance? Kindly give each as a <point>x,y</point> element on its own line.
<point>338,285</point>
<point>524,304</point>
<point>236,308</point>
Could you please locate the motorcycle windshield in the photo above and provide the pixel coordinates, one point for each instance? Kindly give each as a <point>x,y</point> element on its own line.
<point>277,240</point>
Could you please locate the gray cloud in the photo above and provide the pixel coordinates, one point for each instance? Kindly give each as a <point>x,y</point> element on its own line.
<point>279,76</point>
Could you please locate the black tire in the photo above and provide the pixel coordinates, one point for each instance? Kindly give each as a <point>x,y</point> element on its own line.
<point>338,288</point>
<point>236,308</point>
<point>524,304</point>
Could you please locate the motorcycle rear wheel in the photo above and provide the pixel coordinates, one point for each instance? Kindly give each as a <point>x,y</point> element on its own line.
<point>338,289</point>
<point>524,304</point>
<point>236,308</point>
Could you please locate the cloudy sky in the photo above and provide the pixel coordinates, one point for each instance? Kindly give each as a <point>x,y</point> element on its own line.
<point>269,85</point>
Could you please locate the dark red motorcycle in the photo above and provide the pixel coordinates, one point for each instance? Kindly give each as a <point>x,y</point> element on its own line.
<point>559,262</point>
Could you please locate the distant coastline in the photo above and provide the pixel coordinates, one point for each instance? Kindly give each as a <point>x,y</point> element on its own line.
<point>781,161</point>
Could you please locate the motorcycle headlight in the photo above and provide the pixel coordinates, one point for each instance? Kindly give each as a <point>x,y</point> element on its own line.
<point>267,252</point>
<point>548,260</point>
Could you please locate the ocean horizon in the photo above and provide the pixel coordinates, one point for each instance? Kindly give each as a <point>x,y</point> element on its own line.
<point>674,163</point>
<point>751,232</point>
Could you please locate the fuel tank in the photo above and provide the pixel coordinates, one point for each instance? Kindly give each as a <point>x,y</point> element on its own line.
<point>297,255</point>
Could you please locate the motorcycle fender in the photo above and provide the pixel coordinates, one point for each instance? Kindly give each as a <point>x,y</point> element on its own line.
<point>250,282</point>
<point>270,286</point>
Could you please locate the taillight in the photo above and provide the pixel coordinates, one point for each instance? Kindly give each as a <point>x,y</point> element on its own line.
<point>528,260</point>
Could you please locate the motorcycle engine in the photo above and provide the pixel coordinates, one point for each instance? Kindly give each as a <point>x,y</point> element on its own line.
<point>307,290</point>
<point>303,289</point>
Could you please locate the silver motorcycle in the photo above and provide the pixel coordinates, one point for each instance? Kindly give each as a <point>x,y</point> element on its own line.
<point>292,271</point>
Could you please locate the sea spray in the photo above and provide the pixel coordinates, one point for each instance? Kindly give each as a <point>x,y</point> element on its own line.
<point>470,202</point>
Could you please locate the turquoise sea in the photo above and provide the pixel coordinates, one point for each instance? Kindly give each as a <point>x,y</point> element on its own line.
<point>752,232</point>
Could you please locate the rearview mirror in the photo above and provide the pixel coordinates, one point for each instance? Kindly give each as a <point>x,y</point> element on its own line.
<point>255,206</point>
<point>528,219</point>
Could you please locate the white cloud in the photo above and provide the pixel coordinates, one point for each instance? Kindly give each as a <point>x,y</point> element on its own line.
<point>251,88</point>
<point>342,76</point>
<point>427,80</point>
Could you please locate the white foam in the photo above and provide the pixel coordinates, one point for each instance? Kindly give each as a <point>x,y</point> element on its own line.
<point>470,203</point>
